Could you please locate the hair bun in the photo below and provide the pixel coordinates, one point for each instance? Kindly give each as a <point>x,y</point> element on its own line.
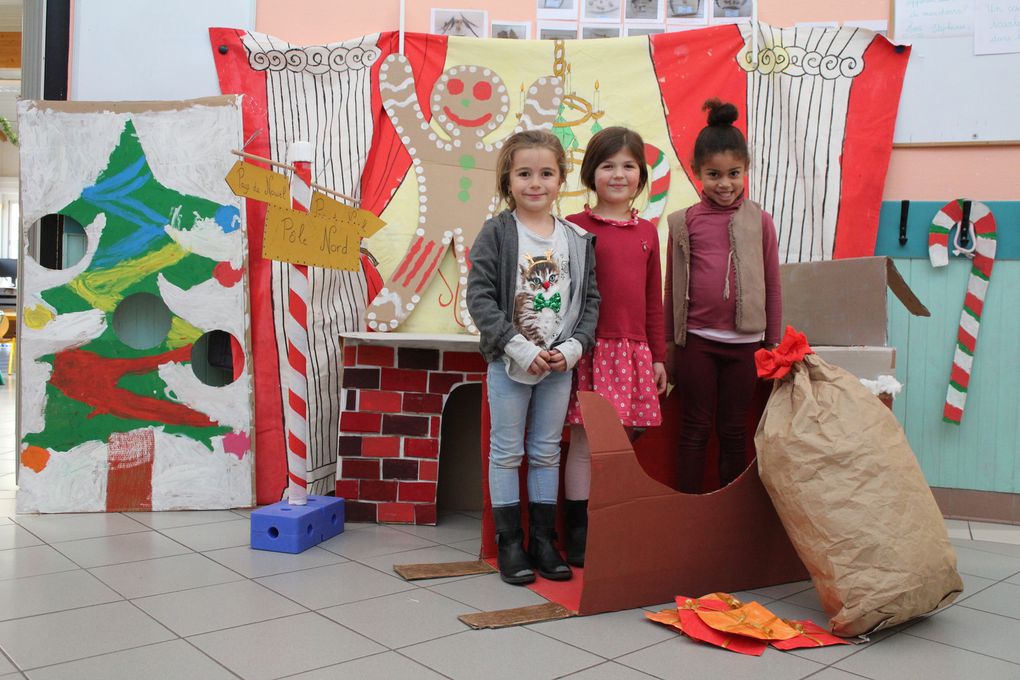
<point>720,113</point>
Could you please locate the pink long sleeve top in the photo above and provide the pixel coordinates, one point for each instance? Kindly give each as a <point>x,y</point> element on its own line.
<point>629,277</point>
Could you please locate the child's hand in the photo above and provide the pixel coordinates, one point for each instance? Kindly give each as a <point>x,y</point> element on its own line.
<point>557,361</point>
<point>540,366</point>
<point>670,363</point>
<point>659,372</point>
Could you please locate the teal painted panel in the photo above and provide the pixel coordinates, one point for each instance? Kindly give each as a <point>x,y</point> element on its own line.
<point>982,453</point>
<point>919,217</point>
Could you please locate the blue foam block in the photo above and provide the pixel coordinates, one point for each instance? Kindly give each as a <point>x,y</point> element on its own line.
<point>332,514</point>
<point>282,527</point>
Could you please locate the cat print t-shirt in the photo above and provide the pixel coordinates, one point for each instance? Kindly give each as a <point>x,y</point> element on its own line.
<point>543,285</point>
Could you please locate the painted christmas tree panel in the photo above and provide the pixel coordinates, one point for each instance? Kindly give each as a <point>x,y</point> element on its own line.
<point>135,388</point>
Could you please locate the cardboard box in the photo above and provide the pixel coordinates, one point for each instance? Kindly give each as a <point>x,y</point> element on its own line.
<point>842,307</point>
<point>844,302</point>
<point>865,362</point>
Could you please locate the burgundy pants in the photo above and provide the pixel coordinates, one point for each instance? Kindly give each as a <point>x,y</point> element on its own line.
<point>716,382</point>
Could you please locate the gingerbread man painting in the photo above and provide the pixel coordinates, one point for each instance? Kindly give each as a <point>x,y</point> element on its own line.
<point>456,175</point>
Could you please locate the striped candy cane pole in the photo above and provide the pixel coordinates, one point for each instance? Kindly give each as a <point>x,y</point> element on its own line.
<point>299,154</point>
<point>982,254</point>
<point>658,189</point>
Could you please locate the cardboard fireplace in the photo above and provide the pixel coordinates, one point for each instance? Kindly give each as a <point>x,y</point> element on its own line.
<point>396,387</point>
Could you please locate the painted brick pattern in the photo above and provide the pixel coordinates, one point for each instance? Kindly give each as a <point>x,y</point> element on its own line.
<point>388,467</point>
<point>382,447</point>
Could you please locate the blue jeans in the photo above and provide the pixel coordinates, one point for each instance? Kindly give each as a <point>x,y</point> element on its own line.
<point>542,410</point>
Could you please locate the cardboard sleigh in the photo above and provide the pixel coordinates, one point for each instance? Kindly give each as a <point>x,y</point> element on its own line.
<point>646,542</point>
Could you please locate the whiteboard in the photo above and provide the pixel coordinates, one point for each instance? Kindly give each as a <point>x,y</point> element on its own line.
<point>951,96</point>
<point>149,49</point>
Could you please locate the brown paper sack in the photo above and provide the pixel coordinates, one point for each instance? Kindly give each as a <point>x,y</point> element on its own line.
<point>854,502</point>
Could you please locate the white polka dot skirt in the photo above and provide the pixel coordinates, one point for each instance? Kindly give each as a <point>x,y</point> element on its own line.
<point>621,371</point>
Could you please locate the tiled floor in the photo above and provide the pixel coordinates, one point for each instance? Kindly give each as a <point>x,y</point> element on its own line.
<point>180,595</point>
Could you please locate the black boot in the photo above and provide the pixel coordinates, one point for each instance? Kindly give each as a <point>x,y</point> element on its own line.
<point>513,562</point>
<point>541,550</point>
<point>577,531</point>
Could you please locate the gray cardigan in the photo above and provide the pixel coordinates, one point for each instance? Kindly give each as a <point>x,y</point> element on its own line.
<point>492,285</point>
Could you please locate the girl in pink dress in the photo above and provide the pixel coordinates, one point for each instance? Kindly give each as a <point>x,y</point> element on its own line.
<point>626,365</point>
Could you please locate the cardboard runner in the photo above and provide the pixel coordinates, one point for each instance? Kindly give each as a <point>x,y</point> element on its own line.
<point>519,616</point>
<point>414,572</point>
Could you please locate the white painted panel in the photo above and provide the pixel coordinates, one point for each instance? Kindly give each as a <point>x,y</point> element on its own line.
<point>951,95</point>
<point>149,49</point>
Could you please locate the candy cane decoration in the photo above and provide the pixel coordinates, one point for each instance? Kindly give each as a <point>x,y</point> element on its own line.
<point>982,253</point>
<point>659,187</point>
<point>296,325</point>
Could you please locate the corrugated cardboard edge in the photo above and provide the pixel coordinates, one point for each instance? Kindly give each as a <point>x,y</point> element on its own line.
<point>413,572</point>
<point>128,106</point>
<point>519,616</point>
<point>902,291</point>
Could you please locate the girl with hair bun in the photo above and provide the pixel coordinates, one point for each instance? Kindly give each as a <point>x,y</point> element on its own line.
<point>722,300</point>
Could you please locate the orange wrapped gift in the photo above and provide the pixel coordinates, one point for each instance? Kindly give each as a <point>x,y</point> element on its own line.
<point>689,610</point>
<point>751,620</point>
<point>809,634</point>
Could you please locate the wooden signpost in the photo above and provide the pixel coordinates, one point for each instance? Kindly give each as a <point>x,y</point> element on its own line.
<point>329,235</point>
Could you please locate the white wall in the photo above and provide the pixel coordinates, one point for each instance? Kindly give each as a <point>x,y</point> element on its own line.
<point>149,50</point>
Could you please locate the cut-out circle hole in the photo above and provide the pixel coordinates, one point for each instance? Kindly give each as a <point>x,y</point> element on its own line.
<point>142,321</point>
<point>57,241</point>
<point>333,518</point>
<point>216,358</point>
<point>309,530</point>
<point>273,532</point>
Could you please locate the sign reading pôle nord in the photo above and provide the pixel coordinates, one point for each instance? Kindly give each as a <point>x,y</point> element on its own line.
<point>329,235</point>
<point>303,238</point>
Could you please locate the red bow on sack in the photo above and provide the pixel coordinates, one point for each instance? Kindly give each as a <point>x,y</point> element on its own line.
<point>776,363</point>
